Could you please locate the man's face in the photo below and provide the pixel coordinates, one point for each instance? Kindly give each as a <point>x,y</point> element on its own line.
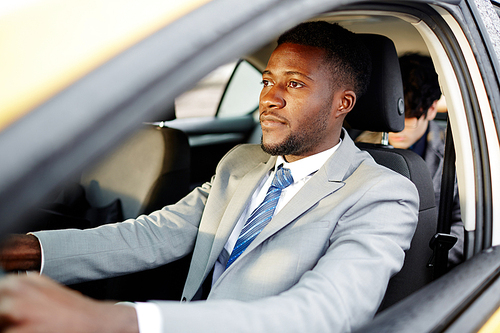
<point>296,103</point>
<point>414,129</point>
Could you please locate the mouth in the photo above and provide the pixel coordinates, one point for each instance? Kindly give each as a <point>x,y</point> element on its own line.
<point>268,120</point>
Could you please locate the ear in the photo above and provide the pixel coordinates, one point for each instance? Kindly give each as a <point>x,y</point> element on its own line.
<point>431,113</point>
<point>346,102</point>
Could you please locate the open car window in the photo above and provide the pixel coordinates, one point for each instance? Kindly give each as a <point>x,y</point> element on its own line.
<point>56,140</point>
<point>231,90</point>
<point>241,96</point>
<point>204,98</point>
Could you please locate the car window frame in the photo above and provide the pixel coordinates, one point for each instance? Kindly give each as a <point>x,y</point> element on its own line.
<point>225,93</point>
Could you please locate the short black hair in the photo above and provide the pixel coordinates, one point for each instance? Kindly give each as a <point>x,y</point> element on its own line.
<point>420,84</point>
<point>349,59</point>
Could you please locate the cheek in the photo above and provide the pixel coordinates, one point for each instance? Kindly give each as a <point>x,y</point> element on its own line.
<point>261,106</point>
<point>261,95</point>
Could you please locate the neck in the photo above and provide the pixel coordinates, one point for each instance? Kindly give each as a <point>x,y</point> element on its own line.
<point>317,150</point>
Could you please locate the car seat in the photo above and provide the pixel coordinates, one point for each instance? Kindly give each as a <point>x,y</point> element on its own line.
<point>381,109</point>
<point>150,170</point>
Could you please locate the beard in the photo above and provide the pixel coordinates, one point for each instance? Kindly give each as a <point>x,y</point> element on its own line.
<point>301,141</point>
<point>291,146</point>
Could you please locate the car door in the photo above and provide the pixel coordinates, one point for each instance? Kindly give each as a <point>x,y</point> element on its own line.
<point>57,137</point>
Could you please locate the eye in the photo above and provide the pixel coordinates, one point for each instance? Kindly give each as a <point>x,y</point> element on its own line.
<point>295,84</point>
<point>266,83</point>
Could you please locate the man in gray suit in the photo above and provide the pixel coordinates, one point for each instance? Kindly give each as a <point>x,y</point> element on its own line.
<point>302,235</point>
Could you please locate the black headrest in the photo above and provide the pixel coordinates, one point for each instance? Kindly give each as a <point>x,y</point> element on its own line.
<point>381,108</point>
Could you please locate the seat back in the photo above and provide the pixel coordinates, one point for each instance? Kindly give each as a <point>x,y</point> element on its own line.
<point>147,172</point>
<point>150,170</point>
<point>381,109</point>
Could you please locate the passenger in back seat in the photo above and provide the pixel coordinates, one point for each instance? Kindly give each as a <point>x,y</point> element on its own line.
<point>423,135</point>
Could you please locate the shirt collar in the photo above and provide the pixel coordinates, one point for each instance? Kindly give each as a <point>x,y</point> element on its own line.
<point>307,165</point>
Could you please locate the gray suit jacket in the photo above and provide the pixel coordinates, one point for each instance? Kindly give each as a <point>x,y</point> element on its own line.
<point>321,265</point>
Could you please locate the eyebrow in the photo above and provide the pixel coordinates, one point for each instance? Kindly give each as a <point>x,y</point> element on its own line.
<point>290,73</point>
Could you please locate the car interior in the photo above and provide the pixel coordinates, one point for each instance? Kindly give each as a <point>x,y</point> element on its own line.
<point>182,152</point>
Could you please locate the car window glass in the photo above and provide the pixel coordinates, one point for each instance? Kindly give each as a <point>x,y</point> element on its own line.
<point>204,98</point>
<point>242,93</point>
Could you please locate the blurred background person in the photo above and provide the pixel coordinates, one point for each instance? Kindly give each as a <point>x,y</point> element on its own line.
<point>422,134</point>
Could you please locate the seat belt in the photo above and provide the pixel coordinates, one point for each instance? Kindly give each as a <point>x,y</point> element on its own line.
<point>443,241</point>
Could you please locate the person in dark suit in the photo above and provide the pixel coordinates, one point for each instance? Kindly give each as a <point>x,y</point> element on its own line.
<point>299,234</point>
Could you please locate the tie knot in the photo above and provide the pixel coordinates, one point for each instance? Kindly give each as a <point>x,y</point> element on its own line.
<point>283,178</point>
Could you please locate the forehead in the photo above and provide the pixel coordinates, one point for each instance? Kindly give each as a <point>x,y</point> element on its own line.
<point>296,58</point>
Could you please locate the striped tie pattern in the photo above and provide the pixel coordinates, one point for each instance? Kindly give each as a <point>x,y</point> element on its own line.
<point>261,216</point>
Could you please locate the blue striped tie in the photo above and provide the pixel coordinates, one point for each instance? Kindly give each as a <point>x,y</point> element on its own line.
<point>261,216</point>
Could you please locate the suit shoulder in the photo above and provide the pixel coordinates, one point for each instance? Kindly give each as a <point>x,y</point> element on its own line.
<point>243,157</point>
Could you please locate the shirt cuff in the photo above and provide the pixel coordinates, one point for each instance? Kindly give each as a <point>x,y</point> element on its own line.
<point>42,261</point>
<point>148,314</point>
<point>148,317</point>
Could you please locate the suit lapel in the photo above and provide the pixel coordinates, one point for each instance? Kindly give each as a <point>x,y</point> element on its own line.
<point>328,179</point>
<point>312,192</point>
<point>235,208</point>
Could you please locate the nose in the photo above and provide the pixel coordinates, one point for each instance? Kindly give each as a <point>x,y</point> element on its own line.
<point>272,98</point>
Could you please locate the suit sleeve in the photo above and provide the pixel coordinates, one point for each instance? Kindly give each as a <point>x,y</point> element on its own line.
<point>341,292</point>
<point>73,256</point>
